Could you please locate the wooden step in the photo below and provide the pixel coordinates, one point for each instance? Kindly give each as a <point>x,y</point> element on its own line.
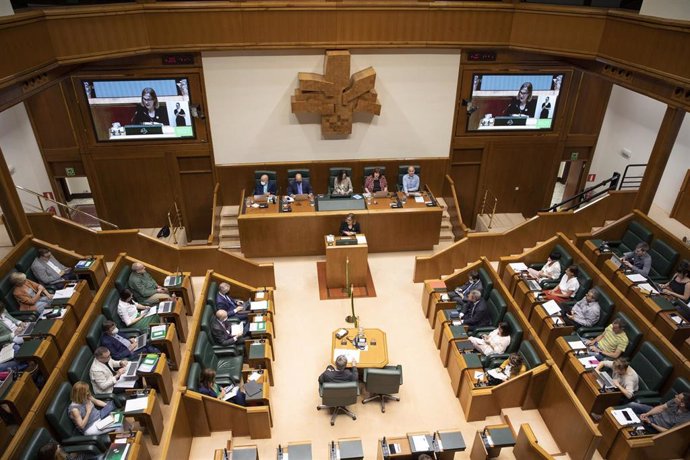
<point>229,211</point>
<point>446,235</point>
<point>228,232</point>
<point>228,221</point>
<point>230,245</point>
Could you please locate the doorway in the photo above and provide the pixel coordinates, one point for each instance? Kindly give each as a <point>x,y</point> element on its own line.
<point>569,182</point>
<point>77,193</point>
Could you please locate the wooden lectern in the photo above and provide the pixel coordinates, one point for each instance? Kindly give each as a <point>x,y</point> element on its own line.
<point>338,253</point>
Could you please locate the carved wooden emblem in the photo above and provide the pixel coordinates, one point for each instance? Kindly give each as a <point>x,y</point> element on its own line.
<point>336,95</point>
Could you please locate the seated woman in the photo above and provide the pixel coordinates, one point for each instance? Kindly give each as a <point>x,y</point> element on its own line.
<point>550,271</point>
<point>496,341</point>
<point>10,332</point>
<point>342,185</point>
<point>350,226</point>
<point>375,183</point>
<point>30,295</point>
<point>134,314</point>
<point>209,387</point>
<point>85,410</point>
<point>121,347</point>
<point>510,368</point>
<point>566,288</point>
<point>679,286</point>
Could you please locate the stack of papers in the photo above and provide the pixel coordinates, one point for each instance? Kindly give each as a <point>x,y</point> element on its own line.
<point>349,354</point>
<point>420,443</point>
<point>65,293</point>
<point>361,239</point>
<point>136,405</point>
<point>647,287</point>
<point>518,267</point>
<point>636,278</point>
<point>551,308</point>
<point>237,329</point>
<point>625,416</point>
<point>589,362</point>
<point>113,420</point>
<point>7,353</point>
<point>419,199</point>
<point>259,305</point>
<point>577,345</point>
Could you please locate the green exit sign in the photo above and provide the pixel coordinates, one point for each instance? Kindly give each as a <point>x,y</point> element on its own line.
<point>70,172</point>
<point>573,156</point>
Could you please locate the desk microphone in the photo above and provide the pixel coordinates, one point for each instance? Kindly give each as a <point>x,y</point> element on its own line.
<point>280,452</point>
<point>384,448</point>
<point>334,456</point>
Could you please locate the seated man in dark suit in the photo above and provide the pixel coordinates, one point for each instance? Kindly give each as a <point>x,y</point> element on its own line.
<point>121,347</point>
<point>299,186</point>
<point>265,186</point>
<point>340,373</point>
<point>234,307</point>
<point>476,312</point>
<point>459,294</point>
<point>221,330</point>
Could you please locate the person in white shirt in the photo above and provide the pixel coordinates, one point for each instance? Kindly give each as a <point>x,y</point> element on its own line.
<point>49,271</point>
<point>550,271</point>
<point>566,288</point>
<point>410,181</point>
<point>102,374</point>
<point>497,341</point>
<point>624,378</point>
<point>134,314</point>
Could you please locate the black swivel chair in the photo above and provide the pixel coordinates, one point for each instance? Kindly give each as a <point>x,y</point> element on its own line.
<point>337,396</point>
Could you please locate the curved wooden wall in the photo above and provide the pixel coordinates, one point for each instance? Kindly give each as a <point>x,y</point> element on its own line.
<point>41,40</point>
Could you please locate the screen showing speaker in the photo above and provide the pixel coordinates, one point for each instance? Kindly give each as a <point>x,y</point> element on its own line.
<point>144,109</point>
<point>513,102</point>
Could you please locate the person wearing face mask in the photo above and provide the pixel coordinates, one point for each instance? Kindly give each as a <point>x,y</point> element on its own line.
<point>265,186</point>
<point>120,346</point>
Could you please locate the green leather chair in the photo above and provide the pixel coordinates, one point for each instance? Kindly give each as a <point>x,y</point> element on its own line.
<point>291,173</point>
<point>193,377</point>
<point>211,294</point>
<point>333,173</point>
<point>109,310</point>
<point>631,330</point>
<point>42,436</point>
<point>487,283</point>
<point>25,261</point>
<point>62,425</point>
<point>207,318</point>
<point>337,396</point>
<point>528,353</point>
<point>382,384</point>
<point>664,260</point>
<point>228,367</point>
<point>94,333</point>
<point>79,371</point>
<point>653,368</point>
<point>635,233</point>
<point>272,175</point>
<point>122,278</point>
<point>402,170</point>
<point>680,385</point>
<point>497,307</point>
<point>565,261</point>
<point>11,303</point>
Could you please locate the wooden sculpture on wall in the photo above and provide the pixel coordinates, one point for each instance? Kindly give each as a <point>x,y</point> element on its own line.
<point>336,95</point>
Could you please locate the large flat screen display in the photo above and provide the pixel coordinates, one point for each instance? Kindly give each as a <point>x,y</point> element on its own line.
<point>152,109</point>
<point>513,102</point>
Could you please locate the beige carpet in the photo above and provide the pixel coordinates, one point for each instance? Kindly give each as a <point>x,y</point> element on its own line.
<point>304,325</point>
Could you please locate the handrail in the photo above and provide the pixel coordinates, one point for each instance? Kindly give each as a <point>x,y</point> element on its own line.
<point>637,179</point>
<point>456,204</point>
<point>493,210</point>
<point>212,235</point>
<point>42,197</point>
<point>587,198</point>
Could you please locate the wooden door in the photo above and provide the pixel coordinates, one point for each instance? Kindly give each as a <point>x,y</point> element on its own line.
<point>681,209</point>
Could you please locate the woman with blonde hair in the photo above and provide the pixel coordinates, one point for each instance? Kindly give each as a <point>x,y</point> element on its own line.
<point>30,295</point>
<point>85,410</point>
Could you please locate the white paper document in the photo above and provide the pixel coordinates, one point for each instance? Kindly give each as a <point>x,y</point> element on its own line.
<point>65,293</point>
<point>349,354</point>
<point>230,392</point>
<point>636,278</point>
<point>125,383</point>
<point>136,405</point>
<point>419,199</point>
<point>260,295</point>
<point>551,307</point>
<point>260,305</point>
<point>577,345</point>
<point>237,329</point>
<point>361,239</point>
<point>7,353</point>
<point>648,287</point>
<point>625,416</point>
<point>152,311</point>
<point>589,362</point>
<point>420,443</point>
<point>518,267</point>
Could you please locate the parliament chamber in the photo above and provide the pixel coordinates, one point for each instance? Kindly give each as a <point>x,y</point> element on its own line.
<point>173,113</point>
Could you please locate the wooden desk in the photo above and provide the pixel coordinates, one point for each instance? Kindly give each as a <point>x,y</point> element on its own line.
<point>160,379</point>
<point>431,288</point>
<point>170,345</point>
<point>376,356</point>
<point>137,446</point>
<point>80,300</point>
<point>177,317</point>
<point>19,397</point>
<point>261,398</point>
<point>437,305</point>
<point>616,440</point>
<point>501,436</point>
<point>43,352</point>
<point>404,444</point>
<point>297,451</point>
<point>592,399</point>
<point>457,363</point>
<point>151,417</point>
<point>267,334</point>
<point>271,234</point>
<point>349,449</point>
<point>94,275</point>
<point>237,453</point>
<point>259,356</point>
<point>336,261</point>
<point>60,329</point>
<point>674,332</point>
<point>547,330</point>
<point>450,441</point>
<point>185,291</point>
<point>477,402</point>
<point>450,335</point>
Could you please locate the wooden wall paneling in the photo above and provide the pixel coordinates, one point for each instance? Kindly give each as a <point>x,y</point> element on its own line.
<point>31,49</point>
<point>465,169</point>
<point>222,416</point>
<point>490,24</point>
<point>126,178</point>
<point>211,26</point>
<point>288,26</point>
<point>197,195</point>
<point>681,207</point>
<point>50,118</point>
<point>589,104</point>
<point>178,442</point>
<point>16,223</point>
<point>377,25</point>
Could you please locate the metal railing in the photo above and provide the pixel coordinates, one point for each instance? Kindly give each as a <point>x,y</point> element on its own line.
<point>175,225</point>
<point>493,208</point>
<point>586,195</point>
<point>71,208</point>
<point>632,182</point>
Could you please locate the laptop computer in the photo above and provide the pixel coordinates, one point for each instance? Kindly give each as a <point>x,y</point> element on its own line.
<point>143,129</point>
<point>533,285</point>
<point>132,366</point>
<point>141,341</point>
<point>166,306</point>
<point>616,261</point>
<point>260,198</point>
<point>28,329</point>
<point>301,197</point>
<point>380,194</point>
<point>605,381</point>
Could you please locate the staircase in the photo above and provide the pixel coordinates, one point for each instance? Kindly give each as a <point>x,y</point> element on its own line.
<point>229,234</point>
<point>446,234</point>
